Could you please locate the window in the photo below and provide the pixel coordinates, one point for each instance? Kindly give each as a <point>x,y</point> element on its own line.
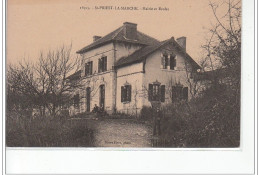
<point>156,92</point>
<point>179,93</point>
<point>102,64</point>
<point>164,61</point>
<point>172,62</point>
<point>168,62</point>
<point>162,93</point>
<point>76,100</point>
<point>88,68</point>
<point>126,93</point>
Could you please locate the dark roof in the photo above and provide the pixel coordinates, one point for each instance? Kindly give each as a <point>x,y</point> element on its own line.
<point>75,76</point>
<point>142,53</point>
<point>118,35</point>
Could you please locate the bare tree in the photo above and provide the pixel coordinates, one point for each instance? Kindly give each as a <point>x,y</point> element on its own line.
<point>195,86</point>
<point>45,83</point>
<point>223,48</point>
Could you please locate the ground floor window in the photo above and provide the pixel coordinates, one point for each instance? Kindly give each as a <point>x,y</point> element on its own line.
<point>179,93</point>
<point>76,101</point>
<point>126,93</point>
<point>156,92</point>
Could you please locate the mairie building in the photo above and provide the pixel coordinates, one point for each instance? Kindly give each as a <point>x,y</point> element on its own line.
<point>127,69</point>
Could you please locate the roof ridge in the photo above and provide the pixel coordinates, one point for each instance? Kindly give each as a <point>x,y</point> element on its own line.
<point>141,53</point>
<point>148,35</point>
<point>158,45</point>
<point>117,34</point>
<point>122,27</point>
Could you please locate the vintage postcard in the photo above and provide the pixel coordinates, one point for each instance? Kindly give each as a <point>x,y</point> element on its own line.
<point>133,74</point>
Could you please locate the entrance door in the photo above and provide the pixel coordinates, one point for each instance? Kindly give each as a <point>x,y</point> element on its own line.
<point>88,99</point>
<point>102,97</point>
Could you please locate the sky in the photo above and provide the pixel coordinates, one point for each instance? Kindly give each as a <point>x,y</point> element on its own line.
<point>41,25</point>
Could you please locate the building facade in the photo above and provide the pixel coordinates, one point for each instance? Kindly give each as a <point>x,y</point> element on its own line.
<point>127,69</point>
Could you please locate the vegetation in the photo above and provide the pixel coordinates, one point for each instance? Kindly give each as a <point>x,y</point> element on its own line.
<point>43,131</point>
<point>44,84</point>
<point>211,118</point>
<point>211,121</point>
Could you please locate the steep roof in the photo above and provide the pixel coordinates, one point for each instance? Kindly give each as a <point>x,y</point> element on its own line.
<point>118,35</point>
<point>142,53</point>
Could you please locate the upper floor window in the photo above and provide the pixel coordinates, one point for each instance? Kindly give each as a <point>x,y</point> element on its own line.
<point>168,61</point>
<point>102,64</point>
<point>126,93</point>
<point>156,92</point>
<point>172,62</point>
<point>179,93</point>
<point>88,68</point>
<point>165,61</point>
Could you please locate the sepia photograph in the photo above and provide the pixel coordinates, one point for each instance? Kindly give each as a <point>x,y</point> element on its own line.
<point>114,74</point>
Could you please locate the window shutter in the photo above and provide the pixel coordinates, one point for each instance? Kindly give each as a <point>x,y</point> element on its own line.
<point>76,100</point>
<point>99,65</point>
<point>122,93</point>
<point>91,68</point>
<point>179,93</point>
<point>166,61</point>
<point>129,92</point>
<point>150,92</point>
<point>162,62</point>
<point>174,61</point>
<point>86,69</point>
<point>171,63</point>
<point>173,93</point>
<point>185,93</point>
<point>105,64</point>
<point>162,93</point>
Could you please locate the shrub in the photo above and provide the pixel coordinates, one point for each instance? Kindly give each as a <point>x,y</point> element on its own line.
<point>24,131</point>
<point>146,113</point>
<point>212,120</point>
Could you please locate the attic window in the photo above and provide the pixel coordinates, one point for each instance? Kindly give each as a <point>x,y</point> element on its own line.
<point>168,61</point>
<point>102,64</point>
<point>172,62</point>
<point>164,61</point>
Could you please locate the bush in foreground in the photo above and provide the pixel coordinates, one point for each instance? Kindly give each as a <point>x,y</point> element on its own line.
<point>212,120</point>
<point>24,131</point>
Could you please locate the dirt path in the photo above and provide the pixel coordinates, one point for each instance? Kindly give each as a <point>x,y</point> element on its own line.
<point>122,133</point>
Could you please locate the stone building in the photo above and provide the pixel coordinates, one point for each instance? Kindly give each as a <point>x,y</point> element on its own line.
<point>126,69</point>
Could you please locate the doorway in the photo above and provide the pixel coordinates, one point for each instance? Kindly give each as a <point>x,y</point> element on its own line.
<point>88,99</point>
<point>102,97</point>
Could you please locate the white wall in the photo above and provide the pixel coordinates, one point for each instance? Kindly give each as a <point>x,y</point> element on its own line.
<point>95,54</point>
<point>132,74</point>
<point>125,49</point>
<point>154,72</point>
<point>94,81</point>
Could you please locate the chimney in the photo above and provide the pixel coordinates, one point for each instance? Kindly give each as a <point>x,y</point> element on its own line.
<point>130,30</point>
<point>182,42</point>
<point>95,38</point>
